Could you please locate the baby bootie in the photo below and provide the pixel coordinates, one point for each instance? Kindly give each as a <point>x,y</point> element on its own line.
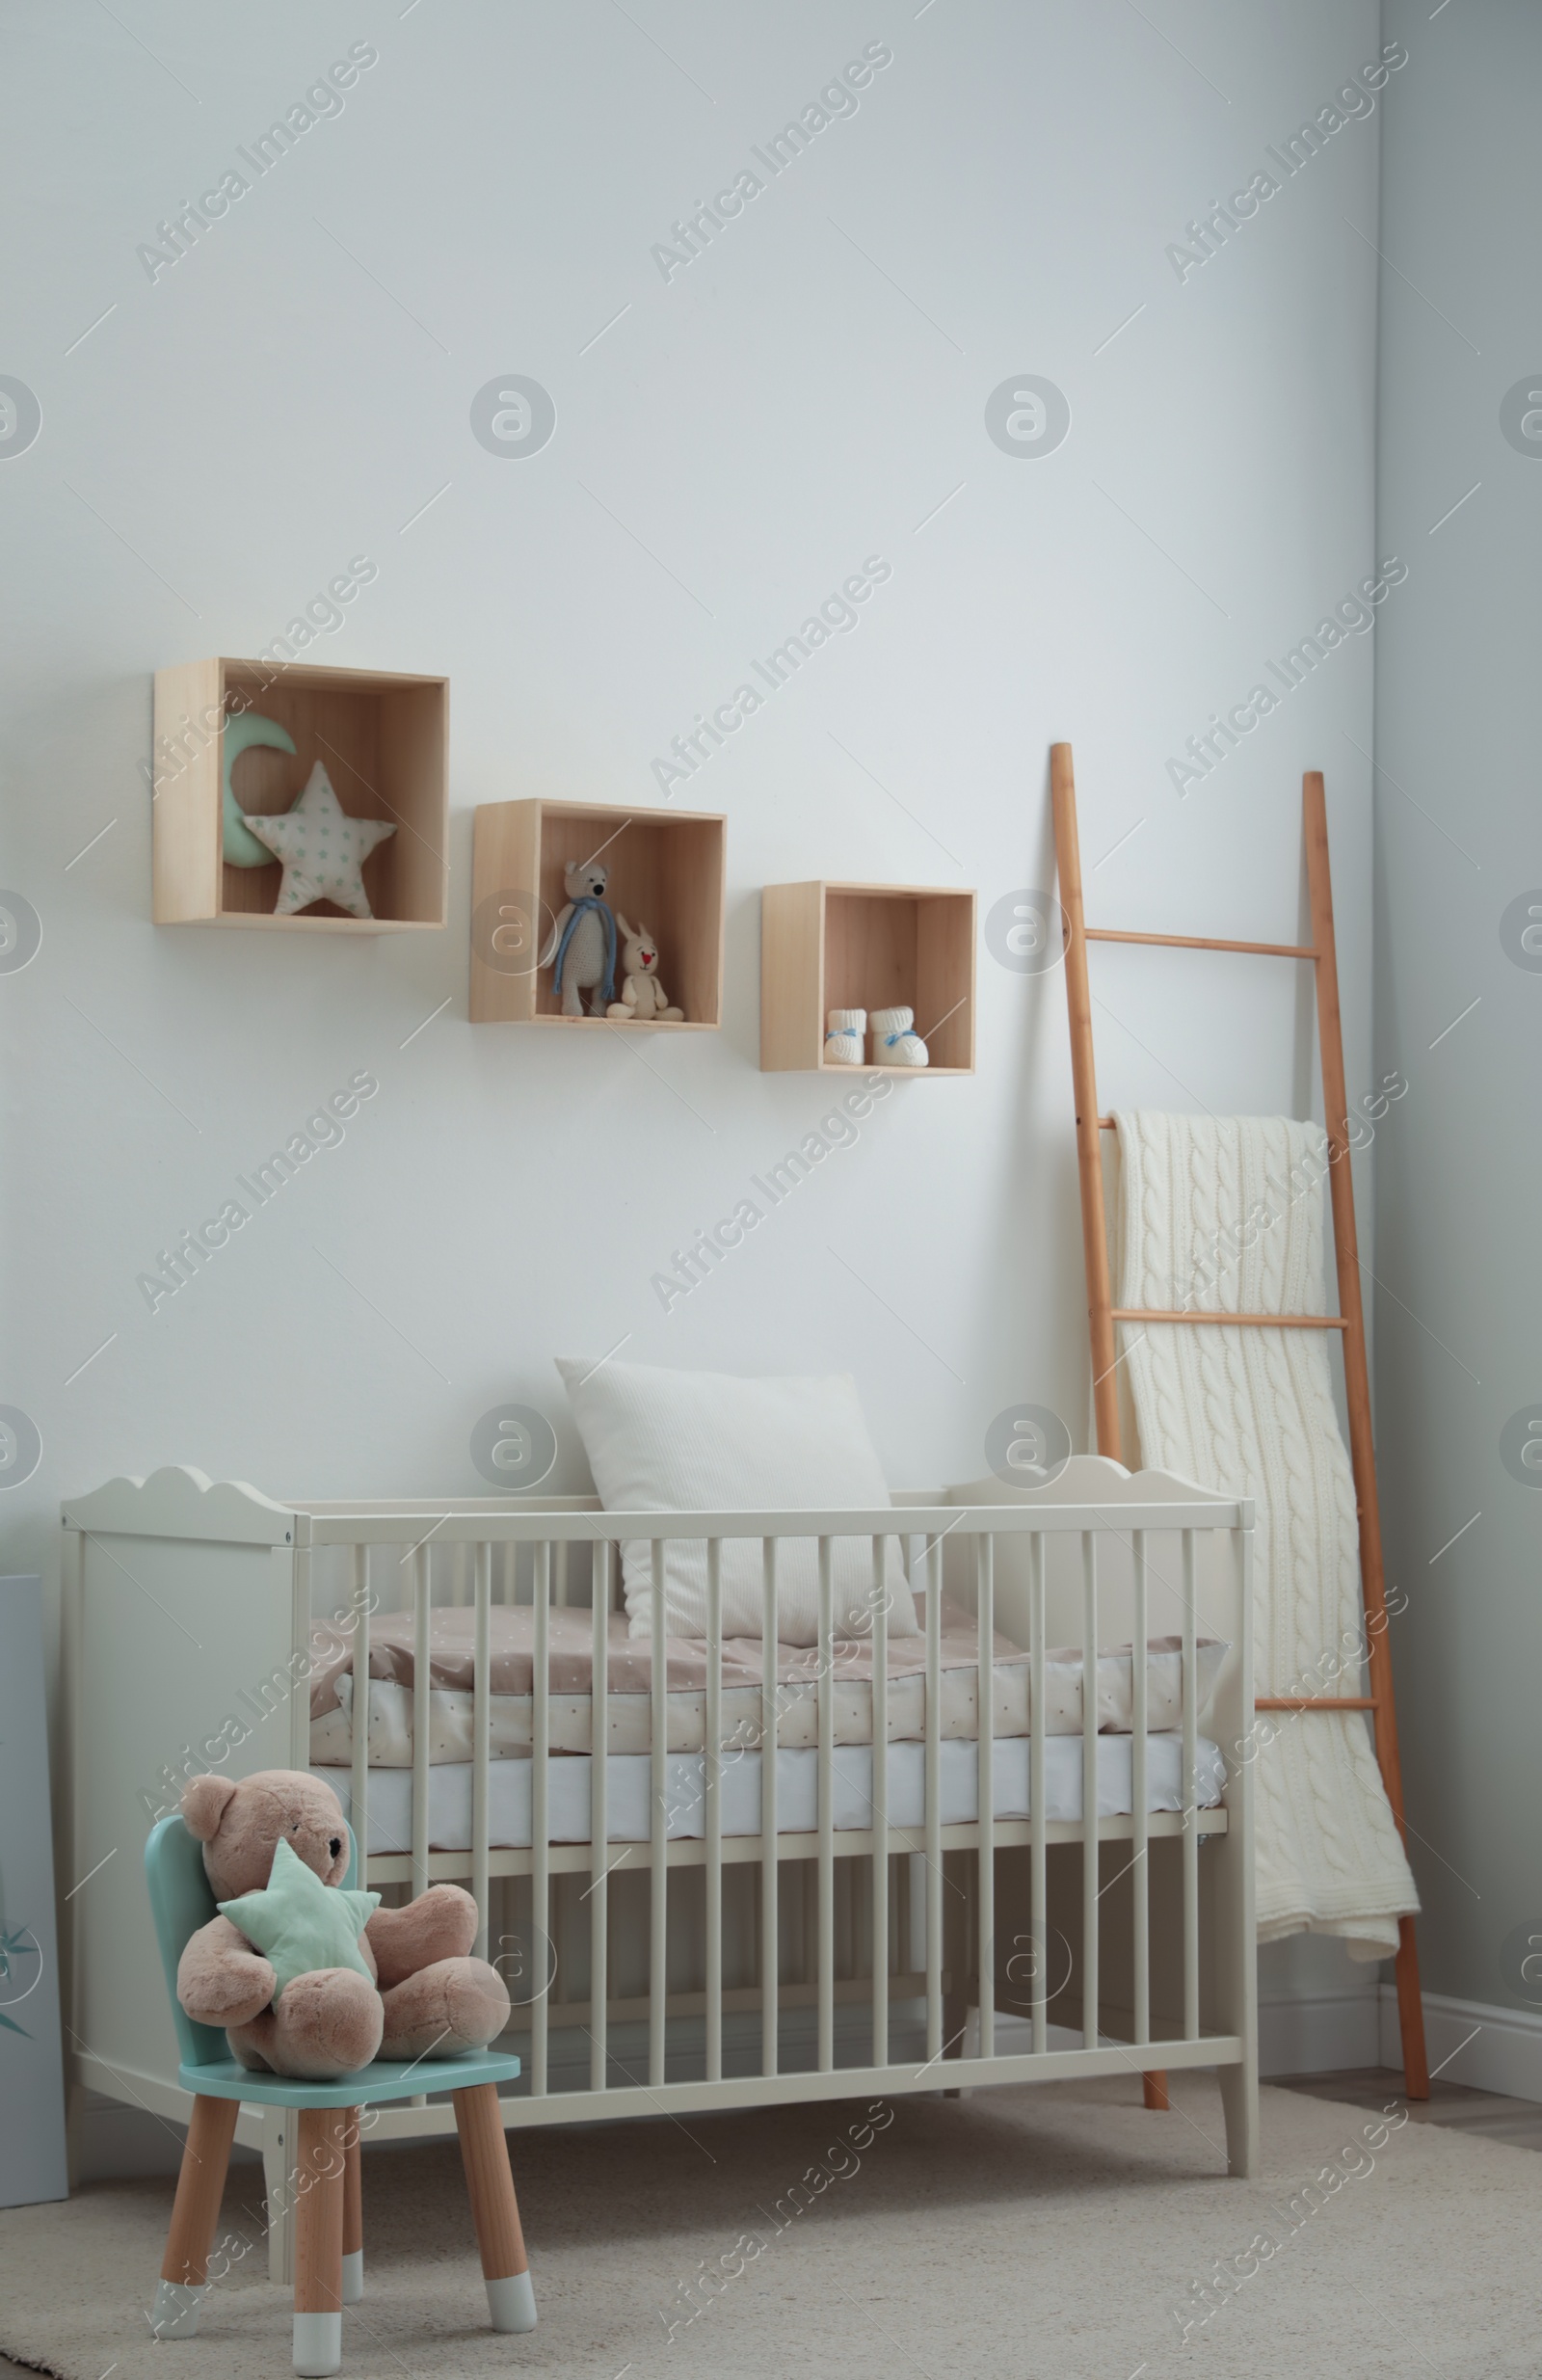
<point>843,1040</point>
<point>896,1041</point>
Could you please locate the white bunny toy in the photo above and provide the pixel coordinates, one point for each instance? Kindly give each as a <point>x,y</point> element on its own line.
<point>643,998</point>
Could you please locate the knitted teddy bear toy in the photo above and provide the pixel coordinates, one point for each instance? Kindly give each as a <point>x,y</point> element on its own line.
<point>310,1980</point>
<point>641,995</point>
<point>581,948</point>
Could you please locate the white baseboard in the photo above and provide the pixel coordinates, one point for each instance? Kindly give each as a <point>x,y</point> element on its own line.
<point>1467,2041</point>
<point>121,2143</point>
<point>1319,2033</point>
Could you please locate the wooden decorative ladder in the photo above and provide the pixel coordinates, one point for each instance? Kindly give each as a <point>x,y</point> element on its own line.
<point>1103,1313</point>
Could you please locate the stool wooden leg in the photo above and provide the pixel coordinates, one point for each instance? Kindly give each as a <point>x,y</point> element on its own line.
<point>490,2185</point>
<point>200,2189</point>
<point>320,2162</point>
<point>1155,2092</point>
<point>353,2214</point>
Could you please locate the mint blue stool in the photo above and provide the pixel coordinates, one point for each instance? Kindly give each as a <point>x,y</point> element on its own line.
<point>325,2174</point>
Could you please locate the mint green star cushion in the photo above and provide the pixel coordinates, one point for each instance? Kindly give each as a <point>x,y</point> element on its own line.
<point>301,1924</point>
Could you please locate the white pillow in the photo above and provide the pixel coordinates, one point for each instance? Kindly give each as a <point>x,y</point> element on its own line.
<point>708,1442</point>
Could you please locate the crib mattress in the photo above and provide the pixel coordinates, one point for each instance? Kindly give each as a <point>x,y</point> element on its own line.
<point>629,1789</point>
<point>629,1714</point>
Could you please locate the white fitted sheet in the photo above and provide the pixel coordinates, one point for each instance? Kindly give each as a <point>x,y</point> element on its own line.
<point>630,1789</point>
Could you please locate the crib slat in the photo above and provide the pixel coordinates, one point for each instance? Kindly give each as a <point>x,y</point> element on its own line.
<point>933,1574</point>
<point>658,1877</point>
<point>1089,1790</point>
<point>1038,1799</point>
<point>712,1777</point>
<point>598,1822</point>
<point>301,1624</point>
<point>481,1736</point>
<point>880,1811</point>
<point>985,1959</point>
<point>539,1978</point>
<point>770,1950</point>
<point>422,1618</point>
<point>1190,1797</point>
<point>422,1613</point>
<point>359,1783</point>
<point>824,1916</point>
<point>1139,1866</point>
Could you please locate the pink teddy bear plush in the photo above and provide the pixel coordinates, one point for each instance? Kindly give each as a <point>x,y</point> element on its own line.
<point>414,1992</point>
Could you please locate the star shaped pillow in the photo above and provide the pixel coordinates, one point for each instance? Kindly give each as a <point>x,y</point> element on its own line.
<point>323,849</point>
<point>301,1924</point>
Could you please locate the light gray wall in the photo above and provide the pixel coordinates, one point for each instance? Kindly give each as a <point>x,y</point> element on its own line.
<point>222,444</point>
<point>221,436</point>
<point>1459,841</point>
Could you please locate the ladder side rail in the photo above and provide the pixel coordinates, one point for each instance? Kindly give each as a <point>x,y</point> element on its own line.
<point>1083,1071</point>
<point>1357,1396</point>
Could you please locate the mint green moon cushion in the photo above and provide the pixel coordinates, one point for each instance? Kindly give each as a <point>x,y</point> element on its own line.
<point>247,728</point>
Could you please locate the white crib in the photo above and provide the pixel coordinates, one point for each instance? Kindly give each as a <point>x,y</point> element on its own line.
<point>739,1968</point>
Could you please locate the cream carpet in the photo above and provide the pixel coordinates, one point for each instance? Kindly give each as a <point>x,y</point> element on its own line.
<point>1047,2230</point>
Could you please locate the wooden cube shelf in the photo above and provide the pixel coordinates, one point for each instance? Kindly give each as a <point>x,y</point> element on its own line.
<point>384,742</point>
<point>666,873</point>
<point>865,946</point>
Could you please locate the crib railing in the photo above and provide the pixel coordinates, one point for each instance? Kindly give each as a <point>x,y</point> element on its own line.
<point>957,1981</point>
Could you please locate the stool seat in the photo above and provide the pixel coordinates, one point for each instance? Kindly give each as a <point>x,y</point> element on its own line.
<point>385,2078</point>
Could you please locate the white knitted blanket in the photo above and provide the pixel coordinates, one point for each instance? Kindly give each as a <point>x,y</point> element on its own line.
<point>1226,1214</point>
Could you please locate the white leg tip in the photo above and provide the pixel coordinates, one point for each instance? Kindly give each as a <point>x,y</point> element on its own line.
<point>354,2277</point>
<point>176,2309</point>
<point>318,2344</point>
<point>512,2303</point>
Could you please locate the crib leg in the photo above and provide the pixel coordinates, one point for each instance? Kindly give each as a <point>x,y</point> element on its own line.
<point>353,2214</point>
<point>494,2211</point>
<point>200,2189</point>
<point>1240,2106</point>
<point>1154,2086</point>
<point>320,2162</point>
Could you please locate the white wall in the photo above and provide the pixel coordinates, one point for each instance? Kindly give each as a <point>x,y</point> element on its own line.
<point>240,426</point>
<point>1458,850</point>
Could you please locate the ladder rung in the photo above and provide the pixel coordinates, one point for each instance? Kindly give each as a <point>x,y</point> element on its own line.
<point>1237,1321</point>
<point>1200,942</point>
<point>1314,1703</point>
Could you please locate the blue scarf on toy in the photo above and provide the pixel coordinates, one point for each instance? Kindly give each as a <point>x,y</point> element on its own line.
<point>607,989</point>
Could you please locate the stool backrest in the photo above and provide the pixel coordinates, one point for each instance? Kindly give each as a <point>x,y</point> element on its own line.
<point>181,1901</point>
